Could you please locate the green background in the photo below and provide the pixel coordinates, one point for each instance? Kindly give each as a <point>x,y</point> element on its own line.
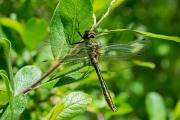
<point>139,92</point>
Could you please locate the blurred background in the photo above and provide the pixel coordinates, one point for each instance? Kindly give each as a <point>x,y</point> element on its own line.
<point>139,92</point>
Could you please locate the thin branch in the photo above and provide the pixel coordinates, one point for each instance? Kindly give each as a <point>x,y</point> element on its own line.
<point>105,15</point>
<point>49,71</point>
<point>94,24</point>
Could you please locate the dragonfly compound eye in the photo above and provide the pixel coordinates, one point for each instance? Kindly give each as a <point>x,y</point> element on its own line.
<point>91,36</point>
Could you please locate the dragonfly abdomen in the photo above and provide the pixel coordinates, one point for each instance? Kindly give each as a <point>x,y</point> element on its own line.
<point>104,88</point>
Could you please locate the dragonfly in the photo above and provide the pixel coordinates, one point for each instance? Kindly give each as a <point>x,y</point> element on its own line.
<point>117,57</point>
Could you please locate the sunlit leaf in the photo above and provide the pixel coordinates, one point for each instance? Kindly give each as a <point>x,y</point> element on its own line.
<point>176,115</point>
<point>76,15</point>
<point>19,104</point>
<point>124,109</point>
<point>97,4</point>
<point>4,76</point>
<point>145,64</point>
<point>25,77</point>
<point>57,35</point>
<point>69,17</point>
<point>70,106</point>
<point>115,3</point>
<point>155,106</point>
<point>5,49</point>
<point>13,24</point>
<point>3,97</point>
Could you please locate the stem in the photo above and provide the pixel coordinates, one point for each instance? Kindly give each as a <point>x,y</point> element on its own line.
<point>9,94</point>
<point>10,72</point>
<point>94,24</point>
<point>49,71</point>
<point>105,15</point>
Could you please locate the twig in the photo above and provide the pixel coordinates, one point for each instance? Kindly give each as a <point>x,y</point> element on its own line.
<point>49,71</point>
<point>94,24</point>
<point>104,15</point>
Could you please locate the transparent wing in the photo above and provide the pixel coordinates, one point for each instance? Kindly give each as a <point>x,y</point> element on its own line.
<point>114,56</point>
<point>79,55</point>
<point>121,56</point>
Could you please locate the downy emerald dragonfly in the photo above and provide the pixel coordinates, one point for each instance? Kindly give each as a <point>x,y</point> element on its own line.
<point>116,57</point>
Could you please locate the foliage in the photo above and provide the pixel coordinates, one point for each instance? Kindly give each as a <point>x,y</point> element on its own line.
<point>155,107</point>
<point>141,92</point>
<point>70,106</point>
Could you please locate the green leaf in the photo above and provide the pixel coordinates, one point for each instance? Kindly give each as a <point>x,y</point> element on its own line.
<point>155,106</point>
<point>25,77</point>
<point>3,97</point>
<point>19,104</point>
<point>70,16</point>
<point>176,115</point>
<point>98,5</point>
<point>115,3</point>
<point>70,106</point>
<point>13,24</point>
<point>3,74</point>
<point>70,73</point>
<point>148,34</point>
<point>5,48</point>
<point>57,35</point>
<point>76,15</point>
<point>6,95</point>
<point>34,32</point>
<point>145,64</point>
<point>124,109</point>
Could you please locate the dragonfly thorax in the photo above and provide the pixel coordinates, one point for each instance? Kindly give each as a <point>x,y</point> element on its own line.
<point>94,52</point>
<point>93,48</point>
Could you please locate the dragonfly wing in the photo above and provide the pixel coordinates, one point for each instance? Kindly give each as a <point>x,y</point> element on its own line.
<point>79,55</point>
<point>116,64</point>
<point>121,56</point>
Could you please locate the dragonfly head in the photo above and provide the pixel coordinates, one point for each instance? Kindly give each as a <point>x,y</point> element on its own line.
<point>89,34</point>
